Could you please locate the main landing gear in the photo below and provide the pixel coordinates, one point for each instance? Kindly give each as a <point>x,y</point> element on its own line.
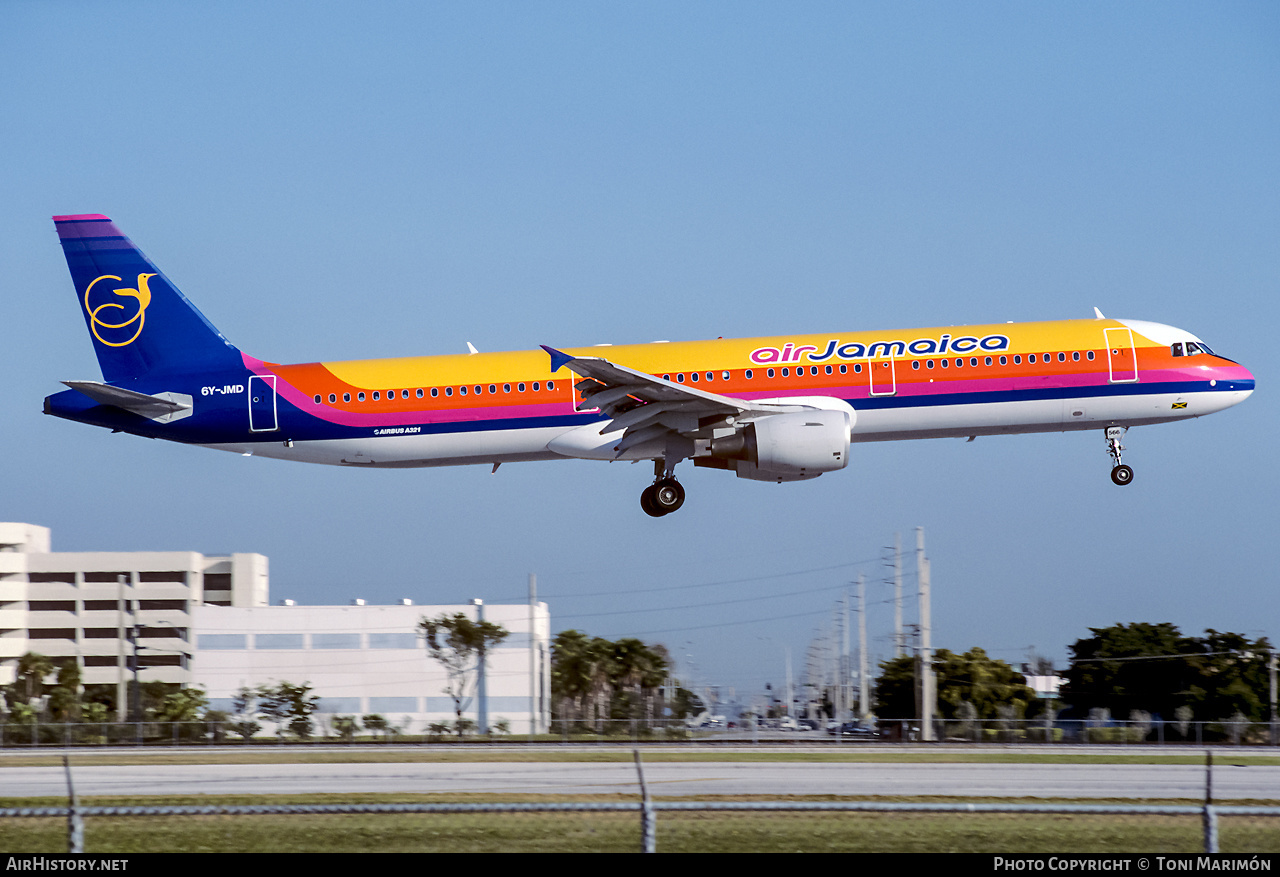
<point>664,495</point>
<point>1120,473</point>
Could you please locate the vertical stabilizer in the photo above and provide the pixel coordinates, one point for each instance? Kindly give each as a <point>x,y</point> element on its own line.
<point>139,322</point>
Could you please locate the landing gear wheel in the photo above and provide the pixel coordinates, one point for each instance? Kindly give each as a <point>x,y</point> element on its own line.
<point>1122,475</point>
<point>648,504</point>
<point>668,495</point>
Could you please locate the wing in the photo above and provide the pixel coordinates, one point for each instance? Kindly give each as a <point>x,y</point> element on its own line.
<point>646,408</point>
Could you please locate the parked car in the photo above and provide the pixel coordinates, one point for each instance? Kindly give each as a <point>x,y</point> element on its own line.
<point>856,731</point>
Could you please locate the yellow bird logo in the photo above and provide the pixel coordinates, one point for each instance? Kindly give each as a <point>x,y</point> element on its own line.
<point>143,296</point>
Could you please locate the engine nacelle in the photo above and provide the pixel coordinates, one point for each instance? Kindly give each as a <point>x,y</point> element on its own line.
<point>788,447</point>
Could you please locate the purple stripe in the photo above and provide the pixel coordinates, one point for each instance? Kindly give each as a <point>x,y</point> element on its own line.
<point>88,229</point>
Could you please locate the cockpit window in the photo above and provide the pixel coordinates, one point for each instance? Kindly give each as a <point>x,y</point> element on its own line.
<point>1190,348</point>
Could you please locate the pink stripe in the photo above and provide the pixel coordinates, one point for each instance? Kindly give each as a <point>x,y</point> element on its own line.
<point>80,216</point>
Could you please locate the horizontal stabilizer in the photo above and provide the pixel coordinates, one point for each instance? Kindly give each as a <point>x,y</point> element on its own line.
<point>162,407</point>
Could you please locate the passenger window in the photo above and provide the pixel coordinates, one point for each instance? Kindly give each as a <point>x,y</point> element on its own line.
<point>915,364</point>
<point>988,360</point>
<point>333,397</point>
<point>462,391</point>
<point>493,389</point>
<point>770,373</point>
<point>786,372</point>
<point>943,363</point>
<point>550,386</point>
<point>435,392</point>
<point>448,391</point>
<point>928,364</point>
<point>317,400</point>
<point>748,374</point>
<point>1017,359</point>
<point>346,397</point>
<point>828,369</point>
<point>1075,356</point>
<point>680,379</point>
<point>1062,357</point>
<point>419,392</point>
<point>1089,355</point>
<point>506,388</point>
<point>857,368</point>
<point>479,390</point>
<point>973,361</point>
<point>535,386</point>
<point>520,387</point>
<point>844,369</point>
<point>724,376</point>
<point>360,396</point>
<point>694,377</point>
<point>376,397</point>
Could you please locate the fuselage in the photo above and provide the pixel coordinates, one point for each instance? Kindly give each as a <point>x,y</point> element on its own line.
<point>506,407</point>
<point>775,409</point>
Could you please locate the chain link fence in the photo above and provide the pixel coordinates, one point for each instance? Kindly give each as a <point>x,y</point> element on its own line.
<point>1236,732</point>
<point>665,826</point>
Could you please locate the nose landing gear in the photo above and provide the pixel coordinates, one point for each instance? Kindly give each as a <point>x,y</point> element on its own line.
<point>1120,473</point>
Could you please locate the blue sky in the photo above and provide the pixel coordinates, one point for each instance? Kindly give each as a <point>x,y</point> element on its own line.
<point>342,180</point>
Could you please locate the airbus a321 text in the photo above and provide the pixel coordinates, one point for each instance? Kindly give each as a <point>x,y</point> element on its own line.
<point>770,409</point>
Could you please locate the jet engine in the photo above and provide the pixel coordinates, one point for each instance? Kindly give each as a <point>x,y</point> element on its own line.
<point>784,447</point>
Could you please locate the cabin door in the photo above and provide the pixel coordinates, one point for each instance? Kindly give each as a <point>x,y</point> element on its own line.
<point>1122,359</point>
<point>262,403</point>
<point>882,374</point>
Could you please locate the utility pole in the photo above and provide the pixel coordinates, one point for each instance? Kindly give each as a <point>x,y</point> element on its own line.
<point>846,699</point>
<point>864,702</point>
<point>122,697</point>
<point>899,638</point>
<point>928,692</point>
<point>1271,668</point>
<point>482,690</point>
<point>534,713</point>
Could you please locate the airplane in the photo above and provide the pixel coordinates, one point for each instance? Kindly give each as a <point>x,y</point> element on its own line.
<point>775,409</point>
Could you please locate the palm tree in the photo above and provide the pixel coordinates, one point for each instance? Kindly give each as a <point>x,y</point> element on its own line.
<point>33,667</point>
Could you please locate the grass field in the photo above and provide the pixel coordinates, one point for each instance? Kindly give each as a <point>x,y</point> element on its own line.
<point>706,831</point>
<point>620,832</point>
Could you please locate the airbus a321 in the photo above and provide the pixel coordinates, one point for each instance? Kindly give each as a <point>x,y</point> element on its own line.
<point>778,409</point>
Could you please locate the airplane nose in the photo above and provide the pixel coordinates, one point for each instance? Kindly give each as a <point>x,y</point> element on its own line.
<point>1234,379</point>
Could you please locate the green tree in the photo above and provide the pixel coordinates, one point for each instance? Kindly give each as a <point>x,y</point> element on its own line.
<point>378,724</point>
<point>594,679</point>
<point>288,706</point>
<point>458,644</point>
<point>64,697</point>
<point>183,705</point>
<point>973,677</point>
<point>33,667</point>
<point>1156,669</point>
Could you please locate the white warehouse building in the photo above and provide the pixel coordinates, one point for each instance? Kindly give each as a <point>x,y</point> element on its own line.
<point>363,660</point>
<point>206,621</point>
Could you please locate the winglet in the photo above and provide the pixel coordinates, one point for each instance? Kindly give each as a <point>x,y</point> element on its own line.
<point>558,359</point>
<point>1098,314</point>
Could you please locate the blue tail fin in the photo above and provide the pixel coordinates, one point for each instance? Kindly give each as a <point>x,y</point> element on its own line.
<point>139,322</point>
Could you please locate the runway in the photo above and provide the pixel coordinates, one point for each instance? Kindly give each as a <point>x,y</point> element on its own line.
<point>665,778</point>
